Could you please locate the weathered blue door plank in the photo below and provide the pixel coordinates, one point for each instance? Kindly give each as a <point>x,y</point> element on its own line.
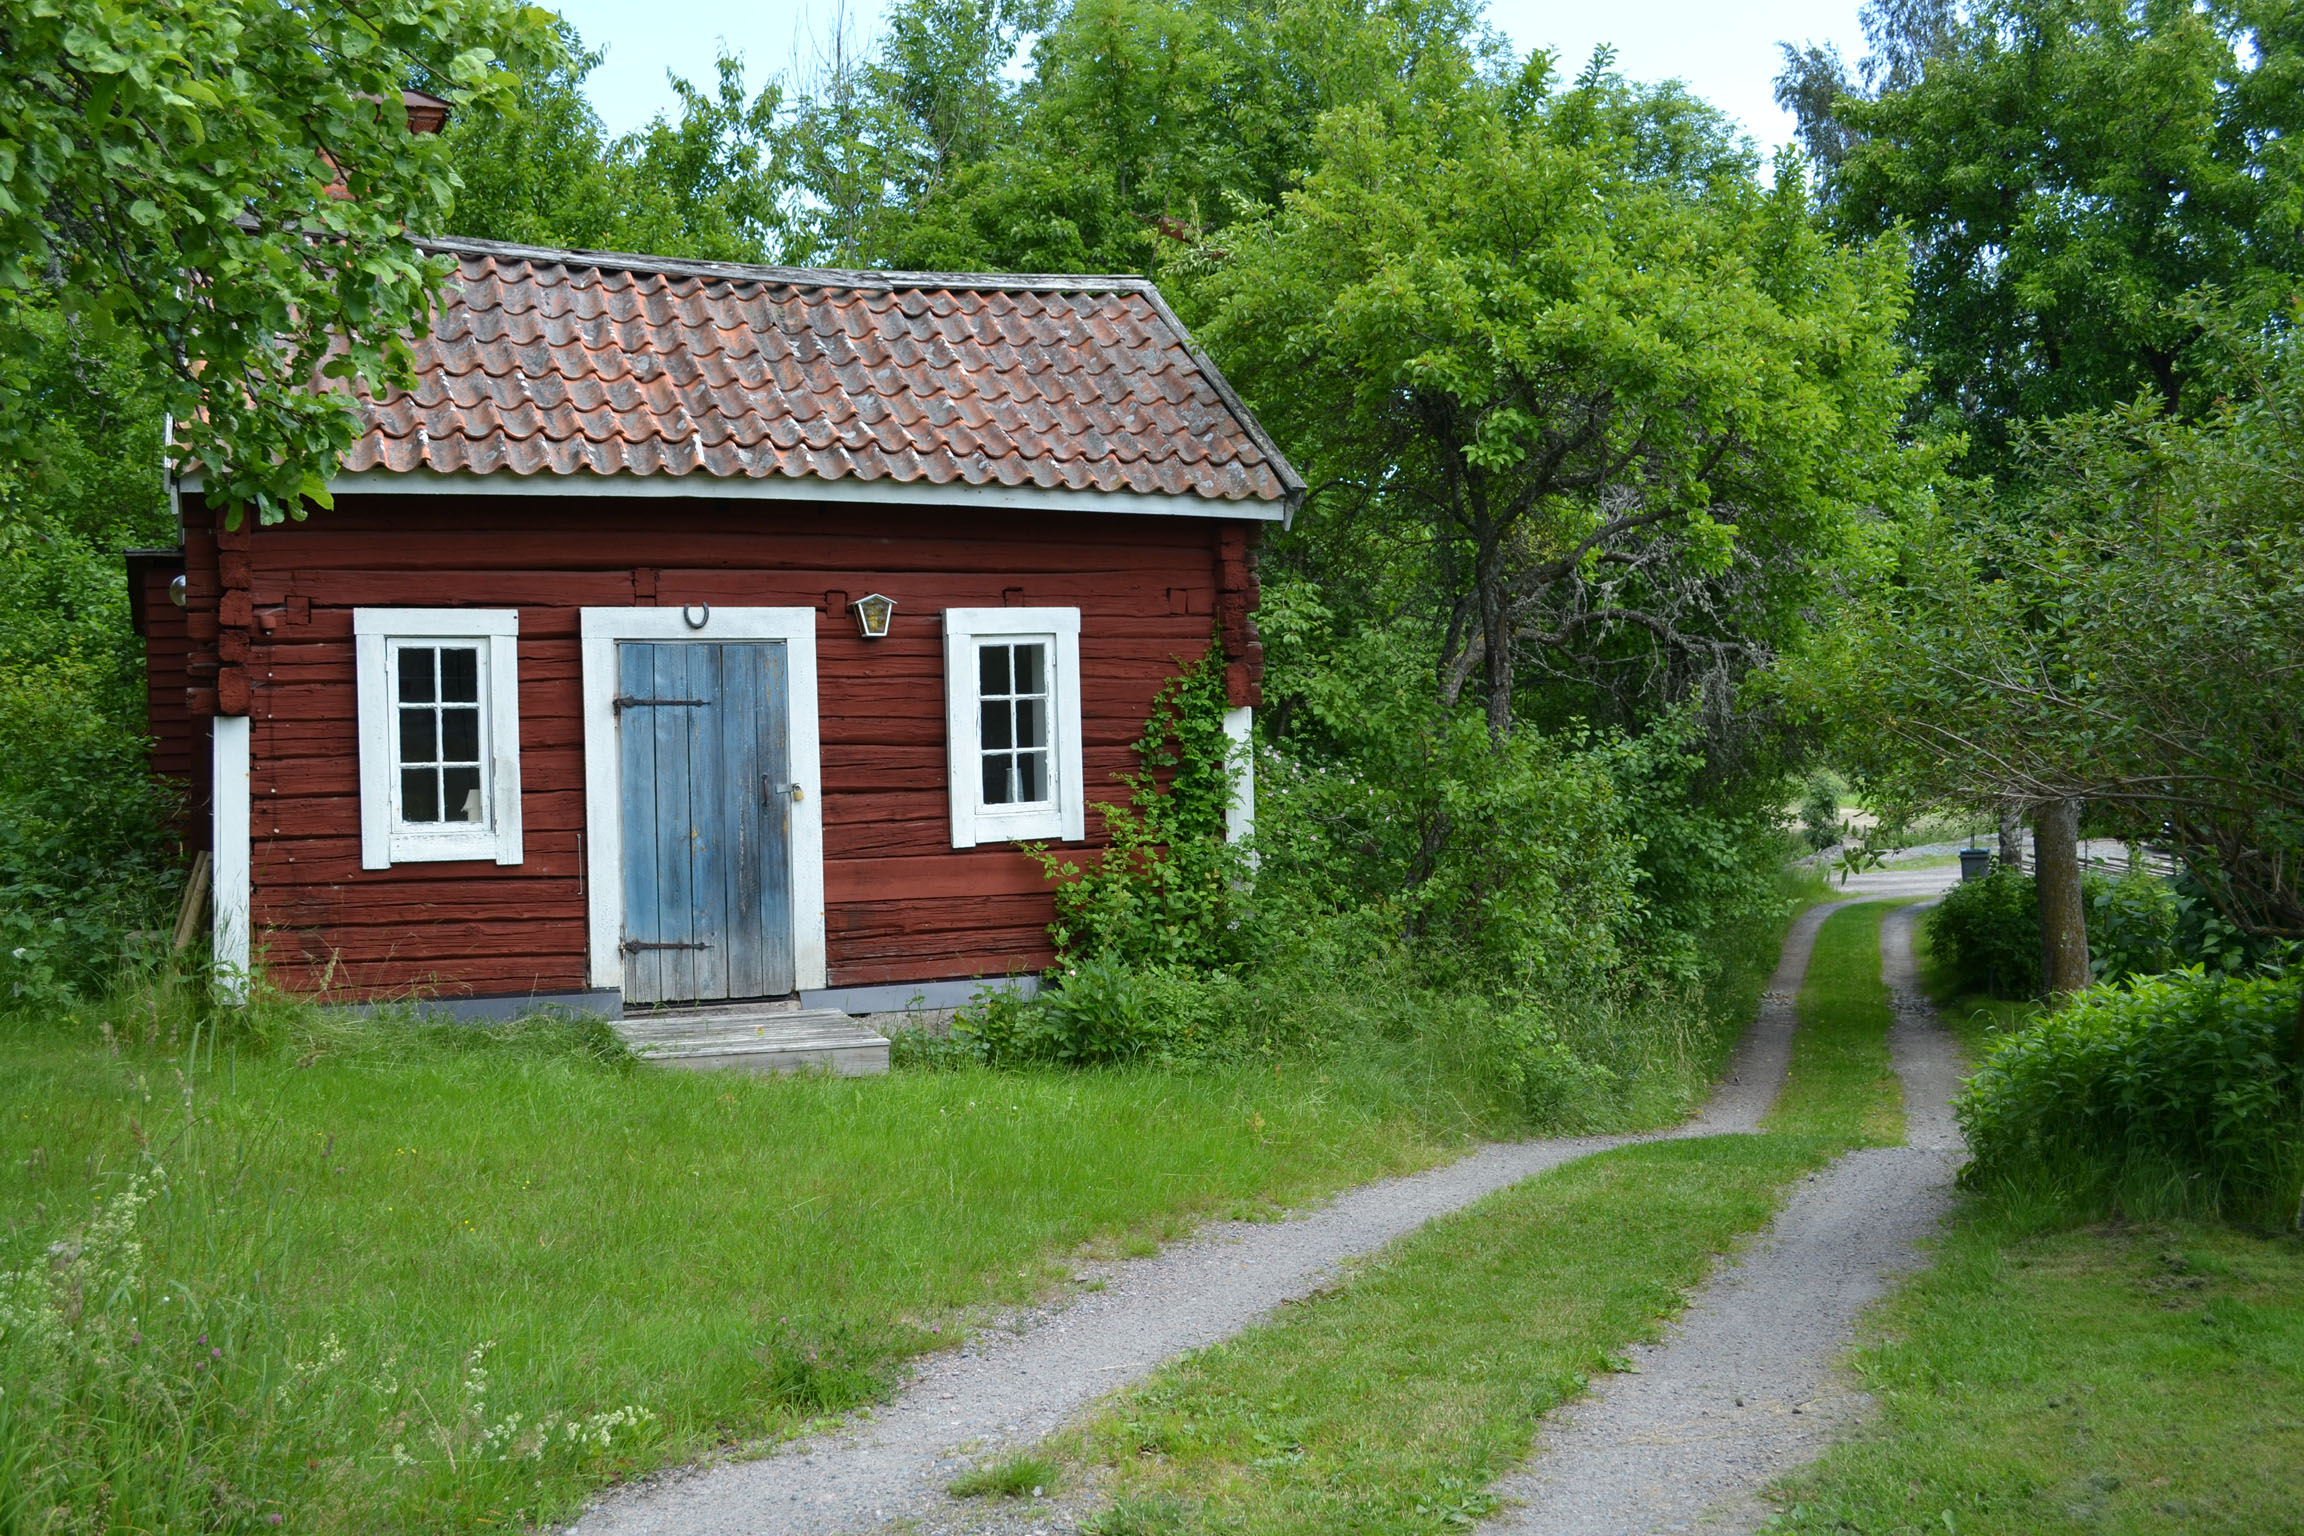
<point>643,968</point>
<point>710,814</point>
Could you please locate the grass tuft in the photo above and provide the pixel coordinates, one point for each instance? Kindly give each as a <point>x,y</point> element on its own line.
<point>1019,1477</point>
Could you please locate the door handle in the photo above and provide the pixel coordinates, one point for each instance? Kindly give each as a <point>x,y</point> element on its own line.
<point>772,790</point>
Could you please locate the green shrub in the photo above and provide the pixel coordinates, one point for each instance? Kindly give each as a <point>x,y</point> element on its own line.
<point>1101,1011</point>
<point>89,869</point>
<point>1988,932</point>
<point>1820,811</point>
<point>2176,1093</point>
<point>2133,926</point>
<point>1168,888</point>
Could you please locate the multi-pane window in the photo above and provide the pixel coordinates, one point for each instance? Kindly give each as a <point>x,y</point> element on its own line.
<point>1012,724</point>
<point>1012,735</point>
<point>439,734</point>
<point>438,707</point>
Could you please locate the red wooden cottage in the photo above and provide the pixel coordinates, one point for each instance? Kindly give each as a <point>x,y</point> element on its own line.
<point>698,633</point>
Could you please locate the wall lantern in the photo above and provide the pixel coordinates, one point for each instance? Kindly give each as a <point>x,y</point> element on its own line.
<point>872,615</point>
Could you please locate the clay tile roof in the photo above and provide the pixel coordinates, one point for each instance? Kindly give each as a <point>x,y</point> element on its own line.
<point>579,362</point>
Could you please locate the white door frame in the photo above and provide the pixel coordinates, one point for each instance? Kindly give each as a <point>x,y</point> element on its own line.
<point>603,762</point>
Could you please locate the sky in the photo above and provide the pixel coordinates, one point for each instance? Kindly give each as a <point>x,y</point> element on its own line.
<point>1726,52</point>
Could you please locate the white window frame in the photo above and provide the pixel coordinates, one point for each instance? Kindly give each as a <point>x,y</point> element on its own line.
<point>974,822</point>
<point>384,839</point>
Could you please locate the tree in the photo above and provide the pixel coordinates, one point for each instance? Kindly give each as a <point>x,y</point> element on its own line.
<point>228,183</point>
<point>536,167</point>
<point>1607,405</point>
<point>2068,172</point>
<point>2129,632</point>
<point>1148,124</point>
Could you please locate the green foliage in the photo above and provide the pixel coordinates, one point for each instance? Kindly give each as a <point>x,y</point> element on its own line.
<point>167,173</point>
<point>2125,633</point>
<point>536,166</point>
<point>2068,172</point>
<point>1511,864</point>
<point>1102,1010</point>
<point>2177,1093</point>
<point>2133,925</point>
<point>1987,932</point>
<point>1167,889</point>
<point>1578,390</point>
<point>1144,123</point>
<point>88,872</point>
<point>1820,811</point>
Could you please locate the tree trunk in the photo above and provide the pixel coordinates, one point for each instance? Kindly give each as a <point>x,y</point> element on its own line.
<point>1490,580</point>
<point>2012,836</point>
<point>2063,913</point>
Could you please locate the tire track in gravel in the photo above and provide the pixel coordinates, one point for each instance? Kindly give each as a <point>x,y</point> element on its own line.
<point>1746,1386</point>
<point>1010,1387</point>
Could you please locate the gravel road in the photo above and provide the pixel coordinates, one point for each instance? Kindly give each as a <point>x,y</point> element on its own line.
<point>1010,1387</point>
<point>1744,1388</point>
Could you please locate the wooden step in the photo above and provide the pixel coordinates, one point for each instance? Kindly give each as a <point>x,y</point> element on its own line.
<point>756,1040</point>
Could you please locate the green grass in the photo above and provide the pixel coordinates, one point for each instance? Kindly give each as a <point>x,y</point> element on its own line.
<point>2101,1380</point>
<point>1018,1477</point>
<point>380,1276</point>
<point>1393,1401</point>
<point>1842,1085</point>
<point>401,1238</point>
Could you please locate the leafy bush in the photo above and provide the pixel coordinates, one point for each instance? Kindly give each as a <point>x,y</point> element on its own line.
<point>1100,1011</point>
<point>1512,866</point>
<point>1988,932</point>
<point>2179,1092</point>
<point>1820,811</point>
<point>88,865</point>
<point>1168,889</point>
<point>2133,926</point>
<point>2138,925</point>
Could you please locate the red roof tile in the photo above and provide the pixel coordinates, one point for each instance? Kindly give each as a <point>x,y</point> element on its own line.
<point>576,362</point>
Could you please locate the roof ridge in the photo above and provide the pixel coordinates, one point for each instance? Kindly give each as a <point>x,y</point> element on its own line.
<point>858,279</point>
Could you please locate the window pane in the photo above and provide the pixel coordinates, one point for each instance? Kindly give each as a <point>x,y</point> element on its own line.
<point>419,794</point>
<point>418,744</point>
<point>1031,669</point>
<point>996,779</point>
<point>1032,775</point>
<point>416,674</point>
<point>998,726</point>
<point>992,670</point>
<point>1032,723</point>
<point>459,735</point>
<point>463,797</point>
<point>459,676</point>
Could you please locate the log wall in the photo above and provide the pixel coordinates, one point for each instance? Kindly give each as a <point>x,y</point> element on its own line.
<point>901,904</point>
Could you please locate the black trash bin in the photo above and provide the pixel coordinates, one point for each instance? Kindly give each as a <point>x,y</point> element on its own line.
<point>1975,863</point>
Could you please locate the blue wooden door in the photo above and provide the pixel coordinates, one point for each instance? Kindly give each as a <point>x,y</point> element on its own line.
<point>707,803</point>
